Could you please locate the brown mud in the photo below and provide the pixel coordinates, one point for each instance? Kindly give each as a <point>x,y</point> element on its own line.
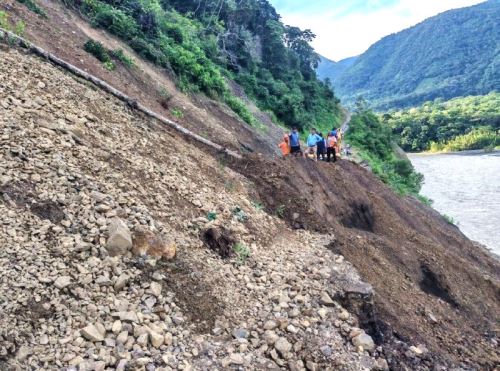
<point>433,286</point>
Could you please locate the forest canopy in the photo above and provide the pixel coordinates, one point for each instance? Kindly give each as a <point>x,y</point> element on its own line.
<point>206,42</point>
<point>440,122</point>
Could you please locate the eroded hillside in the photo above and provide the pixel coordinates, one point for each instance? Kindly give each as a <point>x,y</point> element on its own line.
<point>74,159</point>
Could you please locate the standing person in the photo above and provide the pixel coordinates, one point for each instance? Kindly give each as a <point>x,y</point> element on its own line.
<point>321,150</point>
<point>295,142</point>
<point>285,146</point>
<point>331,147</point>
<point>340,136</point>
<point>312,143</point>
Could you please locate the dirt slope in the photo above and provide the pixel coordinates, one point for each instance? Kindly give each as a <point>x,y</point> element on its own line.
<point>64,33</point>
<point>63,140</point>
<point>433,286</point>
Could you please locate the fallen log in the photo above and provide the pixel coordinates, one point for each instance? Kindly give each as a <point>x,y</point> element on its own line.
<point>15,40</point>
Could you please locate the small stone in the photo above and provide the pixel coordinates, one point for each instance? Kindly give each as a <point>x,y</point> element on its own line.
<point>127,316</point>
<point>62,281</point>
<point>23,353</point>
<point>236,359</point>
<point>344,315</point>
<point>363,340</point>
<point>44,340</point>
<point>323,313</point>
<point>381,365</point>
<point>240,333</point>
<point>93,332</point>
<point>121,281</point>
<point>168,339</point>
<point>326,299</point>
<point>326,350</point>
<point>155,288</point>
<point>122,337</point>
<point>283,346</point>
<point>117,327</point>
<point>270,325</point>
<point>157,340</point>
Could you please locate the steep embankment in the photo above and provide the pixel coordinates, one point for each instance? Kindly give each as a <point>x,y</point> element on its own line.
<point>64,33</point>
<point>74,159</point>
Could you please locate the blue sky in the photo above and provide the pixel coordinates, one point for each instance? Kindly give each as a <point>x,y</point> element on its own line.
<point>345,28</point>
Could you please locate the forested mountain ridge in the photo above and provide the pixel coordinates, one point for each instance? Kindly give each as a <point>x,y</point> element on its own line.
<point>455,53</point>
<point>328,69</point>
<point>206,42</point>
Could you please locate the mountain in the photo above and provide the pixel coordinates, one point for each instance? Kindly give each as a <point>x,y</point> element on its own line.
<point>456,53</point>
<point>332,70</point>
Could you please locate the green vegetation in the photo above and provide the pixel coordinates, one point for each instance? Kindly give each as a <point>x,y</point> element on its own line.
<point>242,253</point>
<point>17,28</point>
<point>449,219</point>
<point>120,55</point>
<point>452,54</point>
<point>106,56</point>
<point>33,6</point>
<point>478,138</point>
<point>374,142</point>
<point>458,124</point>
<point>204,43</point>
<point>177,112</point>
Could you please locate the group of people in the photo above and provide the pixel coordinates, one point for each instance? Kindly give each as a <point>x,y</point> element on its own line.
<point>317,146</point>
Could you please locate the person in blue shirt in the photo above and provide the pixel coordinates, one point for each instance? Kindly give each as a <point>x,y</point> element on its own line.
<point>321,148</point>
<point>312,143</point>
<point>295,142</point>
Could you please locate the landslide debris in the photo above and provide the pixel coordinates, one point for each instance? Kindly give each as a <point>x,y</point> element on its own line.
<point>74,296</point>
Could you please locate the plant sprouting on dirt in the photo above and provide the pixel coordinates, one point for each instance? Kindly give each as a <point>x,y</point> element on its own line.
<point>449,219</point>
<point>242,253</point>
<point>211,216</point>
<point>280,211</point>
<point>240,214</point>
<point>177,112</point>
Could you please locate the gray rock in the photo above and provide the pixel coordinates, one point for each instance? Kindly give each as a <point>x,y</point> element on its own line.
<point>62,281</point>
<point>240,333</point>
<point>283,346</point>
<point>120,239</point>
<point>93,332</point>
<point>364,340</point>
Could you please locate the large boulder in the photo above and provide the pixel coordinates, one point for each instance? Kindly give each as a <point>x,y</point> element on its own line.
<point>120,239</point>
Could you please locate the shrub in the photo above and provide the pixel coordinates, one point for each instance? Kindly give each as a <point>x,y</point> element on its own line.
<point>115,21</point>
<point>177,112</point>
<point>97,50</point>
<point>239,108</point>
<point>122,57</point>
<point>31,5</point>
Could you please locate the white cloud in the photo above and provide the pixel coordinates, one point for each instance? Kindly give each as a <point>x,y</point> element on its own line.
<point>343,36</point>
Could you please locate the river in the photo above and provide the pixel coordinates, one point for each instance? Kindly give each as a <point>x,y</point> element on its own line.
<point>466,187</point>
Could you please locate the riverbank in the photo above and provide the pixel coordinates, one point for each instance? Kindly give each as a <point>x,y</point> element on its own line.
<point>458,153</point>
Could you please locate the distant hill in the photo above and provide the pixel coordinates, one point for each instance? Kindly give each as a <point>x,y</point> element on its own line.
<point>456,53</point>
<point>332,70</point>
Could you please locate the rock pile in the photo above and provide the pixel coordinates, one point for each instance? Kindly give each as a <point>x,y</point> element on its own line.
<point>96,201</point>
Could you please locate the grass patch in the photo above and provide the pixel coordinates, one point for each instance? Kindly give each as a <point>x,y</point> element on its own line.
<point>242,253</point>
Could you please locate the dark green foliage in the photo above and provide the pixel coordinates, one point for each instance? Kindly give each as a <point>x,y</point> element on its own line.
<point>33,6</point>
<point>122,57</point>
<point>374,141</point>
<point>441,122</point>
<point>97,50</point>
<point>449,55</point>
<point>203,41</point>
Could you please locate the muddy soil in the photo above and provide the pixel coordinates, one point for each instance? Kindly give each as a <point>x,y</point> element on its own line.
<point>433,286</point>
